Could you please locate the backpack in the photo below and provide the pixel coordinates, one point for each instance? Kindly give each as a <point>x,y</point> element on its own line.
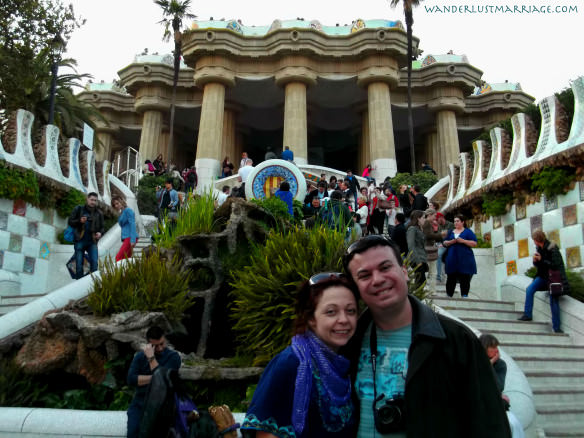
<point>192,177</point>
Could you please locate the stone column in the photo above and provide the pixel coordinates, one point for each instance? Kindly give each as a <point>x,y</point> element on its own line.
<point>446,101</point>
<point>364,152</point>
<point>103,152</point>
<point>150,136</point>
<point>228,140</point>
<point>434,153</point>
<point>378,79</point>
<point>295,81</point>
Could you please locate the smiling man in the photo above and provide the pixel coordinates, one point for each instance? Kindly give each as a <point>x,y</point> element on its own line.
<point>417,373</point>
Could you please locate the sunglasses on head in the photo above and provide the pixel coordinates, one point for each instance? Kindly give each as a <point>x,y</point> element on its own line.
<point>324,277</point>
<point>364,244</point>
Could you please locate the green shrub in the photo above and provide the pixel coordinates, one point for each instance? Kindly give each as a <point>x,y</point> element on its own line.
<point>195,217</point>
<point>576,285</point>
<point>566,98</point>
<point>482,243</point>
<point>16,387</point>
<point>424,179</point>
<point>147,284</point>
<point>495,204</point>
<point>552,181</point>
<point>66,203</point>
<point>531,272</point>
<point>276,208</point>
<point>265,292</point>
<point>146,193</point>
<point>19,184</point>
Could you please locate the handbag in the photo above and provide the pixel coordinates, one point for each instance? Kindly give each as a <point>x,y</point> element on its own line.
<point>555,284</point>
<point>69,234</point>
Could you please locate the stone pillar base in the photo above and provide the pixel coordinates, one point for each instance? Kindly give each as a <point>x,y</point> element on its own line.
<point>207,171</point>
<point>382,168</point>
<point>300,161</point>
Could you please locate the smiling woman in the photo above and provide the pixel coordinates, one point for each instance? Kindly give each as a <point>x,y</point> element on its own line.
<point>305,390</point>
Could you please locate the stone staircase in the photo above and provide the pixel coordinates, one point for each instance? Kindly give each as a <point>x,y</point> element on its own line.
<point>10,302</point>
<point>551,362</point>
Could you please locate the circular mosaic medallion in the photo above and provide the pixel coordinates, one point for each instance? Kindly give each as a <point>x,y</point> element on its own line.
<point>269,174</point>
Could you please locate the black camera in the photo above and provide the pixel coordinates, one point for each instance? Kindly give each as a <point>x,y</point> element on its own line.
<point>390,416</point>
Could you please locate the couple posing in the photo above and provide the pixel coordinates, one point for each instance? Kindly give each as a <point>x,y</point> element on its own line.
<point>398,370</point>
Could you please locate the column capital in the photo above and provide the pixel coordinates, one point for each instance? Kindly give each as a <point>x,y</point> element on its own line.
<point>446,98</point>
<point>300,74</point>
<point>152,98</point>
<point>373,74</point>
<point>217,74</point>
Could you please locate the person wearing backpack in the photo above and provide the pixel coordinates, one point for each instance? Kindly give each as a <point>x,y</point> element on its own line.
<point>191,180</point>
<point>87,223</point>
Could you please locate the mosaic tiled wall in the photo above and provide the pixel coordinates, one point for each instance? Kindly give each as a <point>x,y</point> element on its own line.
<point>561,218</point>
<point>27,235</point>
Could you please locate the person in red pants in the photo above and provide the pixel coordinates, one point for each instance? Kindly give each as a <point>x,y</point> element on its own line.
<point>127,222</point>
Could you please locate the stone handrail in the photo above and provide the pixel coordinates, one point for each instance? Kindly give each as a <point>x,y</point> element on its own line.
<point>509,157</point>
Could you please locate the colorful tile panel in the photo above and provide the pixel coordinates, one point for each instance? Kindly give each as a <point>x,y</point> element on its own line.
<point>536,223</point>
<point>523,248</point>
<point>15,244</point>
<point>520,212</point>
<point>28,266</point>
<point>1,258</point>
<point>509,233</point>
<point>512,268</point>
<point>573,258</point>
<point>499,255</point>
<point>19,208</point>
<point>554,236</point>
<point>44,251</point>
<point>497,222</point>
<point>570,215</point>
<point>550,204</point>
<point>33,229</point>
<point>3,220</point>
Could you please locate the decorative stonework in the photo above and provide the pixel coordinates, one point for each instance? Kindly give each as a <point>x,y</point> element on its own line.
<point>15,243</point>
<point>550,203</point>
<point>554,236</point>
<point>570,215</point>
<point>520,211</point>
<point>29,264</point>
<point>496,222</point>
<point>33,229</point>
<point>44,251</point>
<point>3,220</point>
<point>573,258</point>
<point>523,248</point>
<point>19,208</point>
<point>270,173</point>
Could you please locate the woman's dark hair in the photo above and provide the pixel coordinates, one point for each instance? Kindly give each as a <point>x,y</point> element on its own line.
<point>414,217</point>
<point>309,295</point>
<point>461,218</point>
<point>333,178</point>
<point>285,186</point>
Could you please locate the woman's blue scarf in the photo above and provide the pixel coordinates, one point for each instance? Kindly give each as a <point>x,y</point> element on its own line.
<point>316,358</point>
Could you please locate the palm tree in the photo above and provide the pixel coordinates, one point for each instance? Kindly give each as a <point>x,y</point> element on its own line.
<point>174,12</point>
<point>408,5</point>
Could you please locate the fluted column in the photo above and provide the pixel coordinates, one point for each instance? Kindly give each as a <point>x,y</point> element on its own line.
<point>103,152</point>
<point>210,133</point>
<point>434,153</point>
<point>381,141</point>
<point>364,151</point>
<point>150,136</point>
<point>295,124</point>
<point>447,136</point>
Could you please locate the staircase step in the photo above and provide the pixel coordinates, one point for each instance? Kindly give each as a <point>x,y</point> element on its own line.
<point>499,315</point>
<point>546,394</point>
<point>19,299</point>
<point>560,412</point>
<point>518,348</point>
<point>486,325</point>
<point>544,377</point>
<point>528,337</point>
<point>7,308</point>
<point>551,363</point>
<point>471,303</point>
<point>561,429</point>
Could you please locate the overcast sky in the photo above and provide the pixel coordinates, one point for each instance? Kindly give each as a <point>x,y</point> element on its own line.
<point>541,50</point>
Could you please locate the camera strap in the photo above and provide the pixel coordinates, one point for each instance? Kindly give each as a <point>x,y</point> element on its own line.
<point>373,350</point>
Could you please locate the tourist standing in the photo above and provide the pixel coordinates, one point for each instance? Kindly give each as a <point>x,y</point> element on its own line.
<point>87,221</point>
<point>287,154</point>
<point>191,180</point>
<point>450,391</point>
<point>444,228</point>
<point>399,234</point>
<point>154,354</point>
<point>127,223</point>
<point>158,164</point>
<point>285,195</point>
<point>420,201</point>
<point>417,246</point>
<point>547,256</point>
<point>460,260</point>
<point>353,185</point>
<point>167,200</point>
<point>405,200</point>
<point>226,168</point>
<point>305,391</point>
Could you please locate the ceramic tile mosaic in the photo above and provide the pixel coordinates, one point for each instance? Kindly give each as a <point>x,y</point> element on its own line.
<point>15,244</point>
<point>570,215</point>
<point>497,222</point>
<point>3,220</point>
<point>28,266</point>
<point>520,212</point>
<point>487,237</point>
<point>499,255</point>
<point>1,258</point>
<point>535,223</point>
<point>19,208</point>
<point>44,251</point>
<point>573,258</point>
<point>48,217</point>
<point>509,233</point>
<point>581,187</point>
<point>512,267</point>
<point>554,236</point>
<point>523,248</point>
<point>477,228</point>
<point>33,229</point>
<point>550,203</point>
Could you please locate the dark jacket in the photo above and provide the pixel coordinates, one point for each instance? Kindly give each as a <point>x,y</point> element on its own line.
<point>95,221</point>
<point>451,390</point>
<point>551,258</point>
<point>398,235</point>
<point>460,257</point>
<point>420,202</point>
